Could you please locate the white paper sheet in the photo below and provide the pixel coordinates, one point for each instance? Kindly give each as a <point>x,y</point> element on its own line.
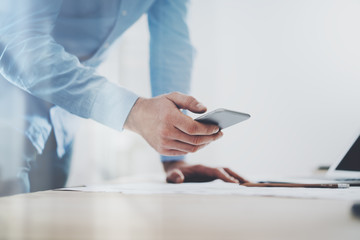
<point>221,188</point>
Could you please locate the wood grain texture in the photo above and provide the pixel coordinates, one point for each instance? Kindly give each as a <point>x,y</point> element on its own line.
<point>81,215</point>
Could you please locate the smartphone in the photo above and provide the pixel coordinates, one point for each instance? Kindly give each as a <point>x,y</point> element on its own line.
<point>223,118</point>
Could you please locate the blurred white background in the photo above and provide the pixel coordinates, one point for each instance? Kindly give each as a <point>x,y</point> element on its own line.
<point>293,65</point>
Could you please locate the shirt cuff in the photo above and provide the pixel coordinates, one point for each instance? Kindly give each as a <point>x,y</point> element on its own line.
<point>172,158</point>
<point>113,105</point>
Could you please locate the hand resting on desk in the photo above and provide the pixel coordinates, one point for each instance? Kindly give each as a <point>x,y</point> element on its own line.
<point>180,171</point>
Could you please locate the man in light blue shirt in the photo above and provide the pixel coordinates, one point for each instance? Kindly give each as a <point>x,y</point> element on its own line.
<point>49,51</point>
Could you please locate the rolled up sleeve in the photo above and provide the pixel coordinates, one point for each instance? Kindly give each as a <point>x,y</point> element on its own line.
<point>32,60</point>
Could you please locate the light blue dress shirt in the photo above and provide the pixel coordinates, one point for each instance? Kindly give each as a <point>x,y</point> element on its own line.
<point>50,49</point>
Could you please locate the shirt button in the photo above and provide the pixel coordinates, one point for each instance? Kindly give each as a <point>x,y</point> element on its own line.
<point>124,13</point>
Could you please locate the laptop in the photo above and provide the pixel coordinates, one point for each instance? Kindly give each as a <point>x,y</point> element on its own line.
<point>348,167</point>
<point>345,170</point>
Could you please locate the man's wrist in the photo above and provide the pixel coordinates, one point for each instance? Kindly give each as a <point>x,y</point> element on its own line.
<point>131,121</point>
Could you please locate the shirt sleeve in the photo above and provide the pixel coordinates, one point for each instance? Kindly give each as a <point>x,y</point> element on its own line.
<point>171,52</point>
<point>32,60</point>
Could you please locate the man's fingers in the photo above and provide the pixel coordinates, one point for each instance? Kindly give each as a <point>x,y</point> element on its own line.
<point>236,176</point>
<point>175,176</point>
<point>220,173</point>
<point>186,102</point>
<point>163,120</point>
<point>189,126</point>
<point>200,173</point>
<point>188,144</point>
<point>196,139</point>
<point>174,140</point>
<point>185,123</point>
<point>183,147</point>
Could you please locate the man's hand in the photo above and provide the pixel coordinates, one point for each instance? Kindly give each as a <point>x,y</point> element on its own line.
<point>169,131</point>
<point>179,172</point>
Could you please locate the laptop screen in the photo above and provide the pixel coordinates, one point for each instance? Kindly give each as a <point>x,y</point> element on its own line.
<point>351,161</point>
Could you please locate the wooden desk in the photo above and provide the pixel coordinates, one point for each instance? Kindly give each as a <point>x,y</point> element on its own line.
<point>79,215</point>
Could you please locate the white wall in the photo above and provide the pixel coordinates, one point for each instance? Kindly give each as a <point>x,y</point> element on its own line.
<point>293,65</point>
